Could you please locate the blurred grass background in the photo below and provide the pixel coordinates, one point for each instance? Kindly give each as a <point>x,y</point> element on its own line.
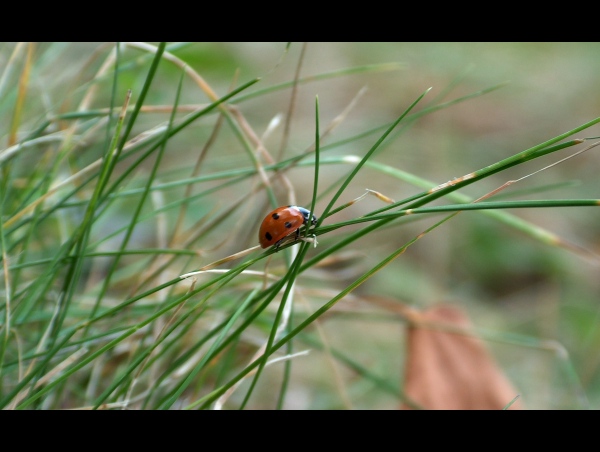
<point>518,290</point>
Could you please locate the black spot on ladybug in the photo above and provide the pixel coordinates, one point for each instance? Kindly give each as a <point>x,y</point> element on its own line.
<point>275,216</point>
<point>288,224</point>
<point>268,236</point>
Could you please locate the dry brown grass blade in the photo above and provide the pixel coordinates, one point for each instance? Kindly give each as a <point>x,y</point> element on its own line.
<point>21,94</point>
<point>446,370</point>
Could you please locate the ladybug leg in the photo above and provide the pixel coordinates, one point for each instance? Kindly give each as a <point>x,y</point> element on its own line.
<point>312,239</point>
<point>277,243</point>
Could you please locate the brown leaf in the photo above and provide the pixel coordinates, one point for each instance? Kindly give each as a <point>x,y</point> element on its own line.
<point>446,369</point>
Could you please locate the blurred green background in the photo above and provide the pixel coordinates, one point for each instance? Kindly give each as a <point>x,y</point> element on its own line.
<point>517,289</point>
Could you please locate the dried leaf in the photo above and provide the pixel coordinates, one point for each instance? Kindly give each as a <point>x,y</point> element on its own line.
<point>447,369</point>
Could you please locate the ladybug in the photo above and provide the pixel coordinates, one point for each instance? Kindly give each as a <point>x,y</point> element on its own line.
<point>282,222</point>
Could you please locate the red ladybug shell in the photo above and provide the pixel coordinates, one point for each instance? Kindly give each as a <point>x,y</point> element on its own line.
<point>282,222</point>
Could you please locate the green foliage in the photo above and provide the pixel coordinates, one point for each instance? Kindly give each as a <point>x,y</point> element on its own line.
<point>133,174</point>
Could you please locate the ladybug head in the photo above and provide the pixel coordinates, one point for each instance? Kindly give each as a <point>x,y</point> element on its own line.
<point>306,213</point>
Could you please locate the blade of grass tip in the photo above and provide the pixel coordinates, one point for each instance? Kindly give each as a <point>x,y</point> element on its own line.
<point>472,177</point>
<point>524,156</point>
<point>507,218</point>
<point>514,181</point>
<point>316,165</point>
<point>453,83</point>
<point>367,156</point>
<point>521,157</point>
